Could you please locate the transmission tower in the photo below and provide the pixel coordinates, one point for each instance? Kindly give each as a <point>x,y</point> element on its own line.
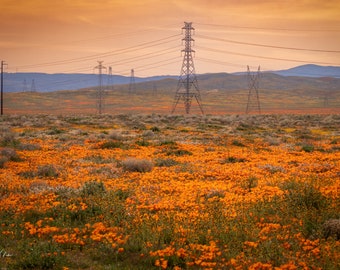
<point>3,63</point>
<point>110,79</point>
<point>132,85</point>
<point>253,103</point>
<point>100,94</point>
<point>33,88</point>
<point>24,87</point>
<point>154,89</point>
<point>187,87</point>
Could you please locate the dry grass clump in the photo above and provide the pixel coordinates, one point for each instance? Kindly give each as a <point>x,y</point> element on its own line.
<point>137,165</point>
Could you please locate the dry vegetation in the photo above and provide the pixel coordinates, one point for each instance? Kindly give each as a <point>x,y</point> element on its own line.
<point>158,191</point>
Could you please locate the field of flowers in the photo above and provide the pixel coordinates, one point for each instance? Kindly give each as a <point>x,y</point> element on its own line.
<point>169,192</point>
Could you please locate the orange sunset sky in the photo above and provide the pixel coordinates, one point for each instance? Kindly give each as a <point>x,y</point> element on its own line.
<point>70,36</point>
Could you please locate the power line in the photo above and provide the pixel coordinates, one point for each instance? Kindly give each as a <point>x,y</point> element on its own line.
<point>110,53</point>
<point>266,57</point>
<point>265,45</point>
<point>269,28</point>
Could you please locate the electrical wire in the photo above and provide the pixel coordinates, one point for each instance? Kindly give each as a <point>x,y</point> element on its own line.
<point>265,57</point>
<point>265,45</point>
<point>106,54</point>
<point>267,28</point>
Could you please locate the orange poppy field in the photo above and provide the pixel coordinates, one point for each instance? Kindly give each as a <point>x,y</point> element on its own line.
<point>158,191</point>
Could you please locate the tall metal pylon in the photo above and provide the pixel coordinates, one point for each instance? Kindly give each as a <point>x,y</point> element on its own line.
<point>253,103</point>
<point>3,63</point>
<point>24,87</point>
<point>100,94</point>
<point>33,88</point>
<point>187,87</point>
<point>132,85</point>
<point>110,79</point>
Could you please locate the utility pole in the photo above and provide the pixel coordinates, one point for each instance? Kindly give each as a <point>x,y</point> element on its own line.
<point>253,95</point>
<point>187,87</point>
<point>100,67</point>
<point>2,87</point>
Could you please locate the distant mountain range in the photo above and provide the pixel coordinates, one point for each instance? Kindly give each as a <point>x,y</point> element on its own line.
<point>311,71</point>
<point>307,76</point>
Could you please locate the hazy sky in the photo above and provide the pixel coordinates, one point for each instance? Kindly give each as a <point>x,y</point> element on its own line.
<point>72,35</point>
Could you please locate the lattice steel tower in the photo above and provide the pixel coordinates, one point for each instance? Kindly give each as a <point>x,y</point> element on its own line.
<point>187,87</point>
<point>100,94</point>
<point>132,85</point>
<point>253,95</point>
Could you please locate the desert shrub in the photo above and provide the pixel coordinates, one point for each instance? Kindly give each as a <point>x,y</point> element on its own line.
<point>155,129</point>
<point>249,183</point>
<point>137,165</point>
<point>3,160</point>
<point>55,131</point>
<point>148,133</point>
<point>178,152</point>
<point>29,146</point>
<point>92,188</point>
<point>10,154</point>
<point>237,143</point>
<point>47,170</point>
<point>112,145</point>
<point>307,148</point>
<point>331,227</point>
<point>143,142</point>
<point>300,196</point>
<point>116,135</point>
<point>8,139</point>
<point>165,162</point>
<point>232,159</point>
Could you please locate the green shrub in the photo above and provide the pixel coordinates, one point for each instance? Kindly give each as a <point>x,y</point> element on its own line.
<point>92,188</point>
<point>301,196</point>
<point>307,148</point>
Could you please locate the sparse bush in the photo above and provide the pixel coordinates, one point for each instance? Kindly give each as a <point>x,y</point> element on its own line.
<point>232,159</point>
<point>116,135</point>
<point>10,154</point>
<point>8,139</point>
<point>237,143</point>
<point>3,160</point>
<point>304,196</point>
<point>148,133</point>
<point>308,148</point>
<point>167,162</point>
<point>48,170</point>
<point>331,228</point>
<point>112,145</point>
<point>249,183</point>
<point>155,129</point>
<point>178,152</point>
<point>137,165</point>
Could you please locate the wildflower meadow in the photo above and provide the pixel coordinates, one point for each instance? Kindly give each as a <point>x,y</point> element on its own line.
<point>157,191</point>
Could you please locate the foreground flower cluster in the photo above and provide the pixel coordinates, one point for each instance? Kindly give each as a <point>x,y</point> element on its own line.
<point>169,192</point>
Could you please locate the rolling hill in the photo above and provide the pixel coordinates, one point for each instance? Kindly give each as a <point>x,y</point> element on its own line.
<point>309,76</point>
